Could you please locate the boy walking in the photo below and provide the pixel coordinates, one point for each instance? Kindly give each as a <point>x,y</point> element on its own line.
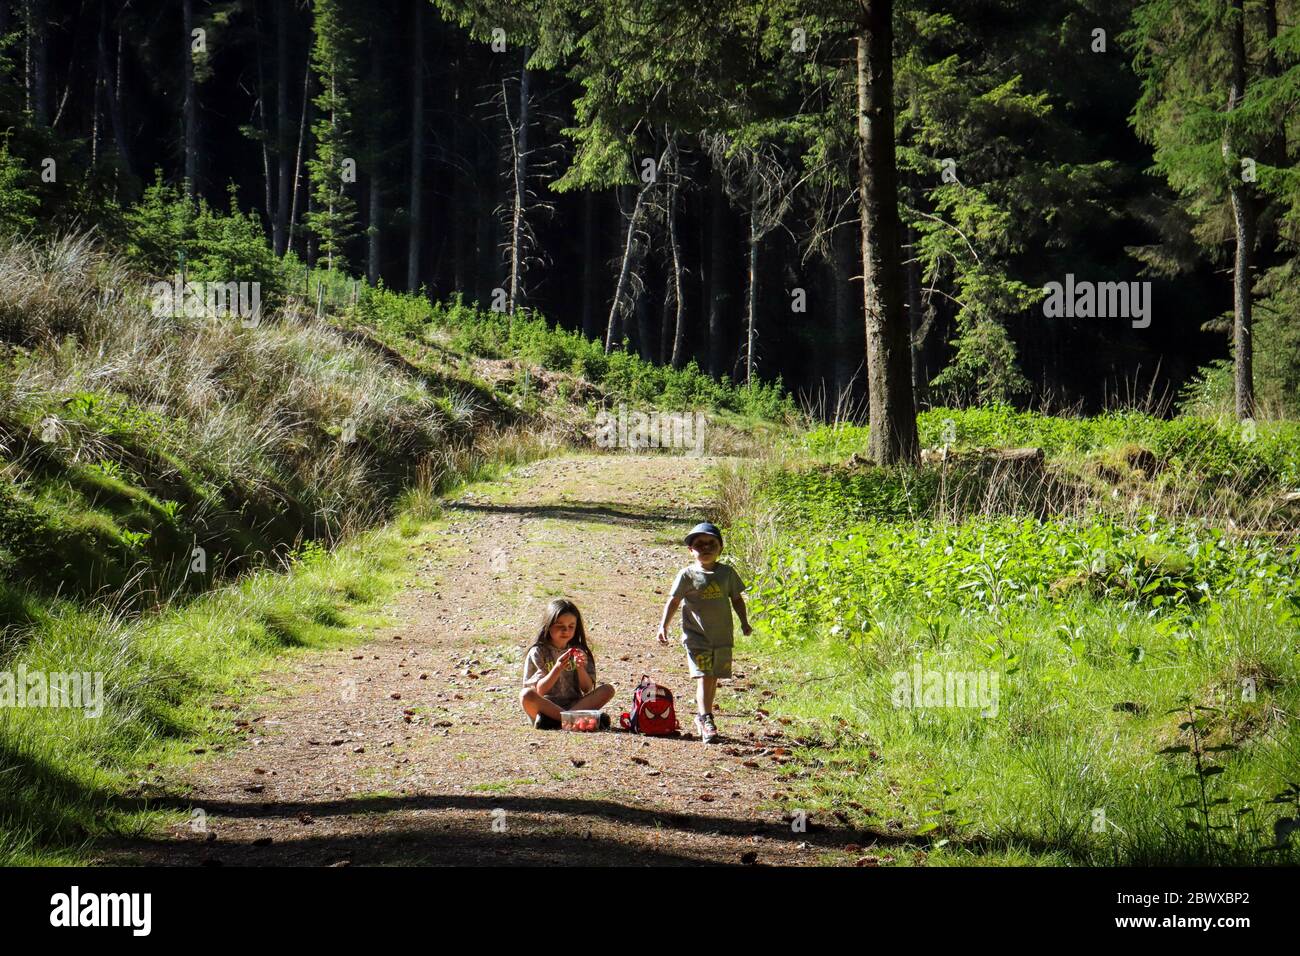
<point>707,592</point>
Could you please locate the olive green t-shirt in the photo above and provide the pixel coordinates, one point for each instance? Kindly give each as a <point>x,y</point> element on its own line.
<point>706,604</point>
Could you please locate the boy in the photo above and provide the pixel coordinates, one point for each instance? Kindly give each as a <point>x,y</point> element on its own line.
<point>707,591</point>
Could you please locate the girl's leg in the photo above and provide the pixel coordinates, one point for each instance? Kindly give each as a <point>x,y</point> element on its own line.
<point>534,703</point>
<point>600,695</point>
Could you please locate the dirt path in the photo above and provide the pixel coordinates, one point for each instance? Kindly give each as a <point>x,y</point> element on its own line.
<point>413,750</point>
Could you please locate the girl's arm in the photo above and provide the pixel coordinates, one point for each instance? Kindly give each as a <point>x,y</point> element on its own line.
<point>585,683</point>
<point>669,610</point>
<point>738,602</point>
<point>547,680</point>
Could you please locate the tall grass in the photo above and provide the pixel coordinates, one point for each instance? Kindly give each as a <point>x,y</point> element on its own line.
<point>1135,592</point>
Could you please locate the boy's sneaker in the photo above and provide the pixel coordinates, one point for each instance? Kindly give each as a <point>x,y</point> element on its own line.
<point>708,730</point>
<point>546,723</point>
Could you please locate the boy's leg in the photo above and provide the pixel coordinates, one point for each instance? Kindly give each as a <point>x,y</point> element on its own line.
<point>534,703</point>
<point>705,690</point>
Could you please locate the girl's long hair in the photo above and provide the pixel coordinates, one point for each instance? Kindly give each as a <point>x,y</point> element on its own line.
<point>553,611</point>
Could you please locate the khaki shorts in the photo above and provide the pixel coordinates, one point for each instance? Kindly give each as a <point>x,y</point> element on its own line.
<point>709,661</point>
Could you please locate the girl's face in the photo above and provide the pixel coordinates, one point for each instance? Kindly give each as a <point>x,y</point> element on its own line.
<point>562,631</point>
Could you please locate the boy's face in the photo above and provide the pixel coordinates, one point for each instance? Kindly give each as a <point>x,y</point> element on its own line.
<point>705,548</point>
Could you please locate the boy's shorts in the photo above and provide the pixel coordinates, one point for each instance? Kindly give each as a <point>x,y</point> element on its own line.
<point>709,661</point>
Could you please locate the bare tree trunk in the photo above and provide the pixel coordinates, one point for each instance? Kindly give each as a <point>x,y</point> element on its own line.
<point>115,118</point>
<point>751,296</point>
<point>716,284</point>
<point>590,272</point>
<point>374,216</point>
<point>374,179</point>
<point>629,249</point>
<point>38,32</point>
<point>280,224</point>
<point>1244,220</point>
<point>417,152</point>
<point>889,354</point>
<point>191,107</point>
<point>848,313</point>
<point>459,212</point>
<point>520,187</point>
<point>629,242</point>
<point>265,126</point>
<point>915,319</point>
<point>297,164</point>
<point>679,323</point>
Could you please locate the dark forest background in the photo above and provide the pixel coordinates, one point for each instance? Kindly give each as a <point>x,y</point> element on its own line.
<point>459,135</point>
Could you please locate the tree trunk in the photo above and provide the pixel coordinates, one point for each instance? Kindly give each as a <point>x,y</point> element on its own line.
<point>520,187</point>
<point>38,32</point>
<point>1243,216</point>
<point>915,320</point>
<point>280,224</point>
<point>679,318</point>
<point>590,272</point>
<point>264,127</point>
<point>298,162</point>
<point>848,314</point>
<point>717,289</point>
<point>751,294</point>
<point>458,211</point>
<point>190,108</point>
<point>889,354</point>
<point>115,117</point>
<point>375,179</point>
<point>620,286</point>
<point>417,152</point>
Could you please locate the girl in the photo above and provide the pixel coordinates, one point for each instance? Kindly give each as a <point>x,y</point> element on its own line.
<point>560,670</point>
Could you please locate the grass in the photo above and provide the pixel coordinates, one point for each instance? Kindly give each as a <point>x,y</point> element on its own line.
<point>66,778</point>
<point>1144,656</point>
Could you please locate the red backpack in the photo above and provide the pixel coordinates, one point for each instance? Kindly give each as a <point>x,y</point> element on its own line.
<point>652,710</point>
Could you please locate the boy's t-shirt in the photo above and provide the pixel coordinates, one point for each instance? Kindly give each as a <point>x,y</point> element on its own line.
<point>706,603</point>
<point>541,658</point>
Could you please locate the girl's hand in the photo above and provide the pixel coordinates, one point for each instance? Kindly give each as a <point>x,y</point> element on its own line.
<point>746,629</point>
<point>663,634</point>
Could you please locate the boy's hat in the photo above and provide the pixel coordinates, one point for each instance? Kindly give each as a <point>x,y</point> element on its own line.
<point>704,527</point>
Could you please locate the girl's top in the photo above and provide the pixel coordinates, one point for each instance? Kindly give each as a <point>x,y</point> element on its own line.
<point>541,658</point>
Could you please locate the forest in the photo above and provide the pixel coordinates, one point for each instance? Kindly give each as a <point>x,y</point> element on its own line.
<point>682,180</point>
<point>971,329</point>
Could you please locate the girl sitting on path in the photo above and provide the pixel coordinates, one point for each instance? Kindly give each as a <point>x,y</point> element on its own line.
<point>560,670</point>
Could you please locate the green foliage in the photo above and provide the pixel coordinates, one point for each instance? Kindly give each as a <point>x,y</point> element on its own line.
<point>18,201</point>
<point>529,336</point>
<point>985,565</point>
<point>334,59</point>
<point>1212,449</point>
<point>216,246</point>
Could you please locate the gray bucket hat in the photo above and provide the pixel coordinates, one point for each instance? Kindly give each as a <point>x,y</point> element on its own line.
<point>704,527</point>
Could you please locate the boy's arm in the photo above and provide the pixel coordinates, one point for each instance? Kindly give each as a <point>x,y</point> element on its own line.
<point>738,602</point>
<point>669,610</point>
